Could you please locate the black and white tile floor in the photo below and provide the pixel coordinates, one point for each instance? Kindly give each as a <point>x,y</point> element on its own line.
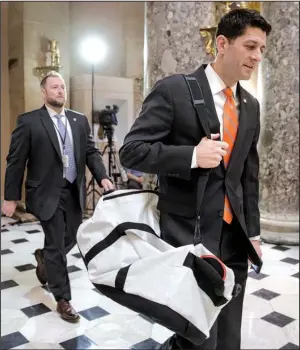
<point>29,319</point>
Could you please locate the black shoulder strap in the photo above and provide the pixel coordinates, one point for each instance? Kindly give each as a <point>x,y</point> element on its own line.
<point>199,104</point>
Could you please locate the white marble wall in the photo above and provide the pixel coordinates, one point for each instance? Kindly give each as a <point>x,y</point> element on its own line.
<point>174,44</point>
<point>279,146</point>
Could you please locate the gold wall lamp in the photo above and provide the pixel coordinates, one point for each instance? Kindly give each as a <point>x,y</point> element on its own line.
<point>209,40</point>
<point>250,5</point>
<point>52,60</point>
<point>209,33</point>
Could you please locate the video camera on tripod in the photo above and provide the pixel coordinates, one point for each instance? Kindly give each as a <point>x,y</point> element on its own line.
<point>106,118</point>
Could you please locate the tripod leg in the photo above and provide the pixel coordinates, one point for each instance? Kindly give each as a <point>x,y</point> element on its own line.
<point>111,167</point>
<point>104,150</point>
<point>119,170</point>
<point>115,170</point>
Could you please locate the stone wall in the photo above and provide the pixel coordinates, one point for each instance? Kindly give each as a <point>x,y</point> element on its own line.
<point>174,44</point>
<point>279,146</point>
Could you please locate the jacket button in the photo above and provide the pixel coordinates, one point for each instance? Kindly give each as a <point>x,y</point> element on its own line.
<point>221,213</point>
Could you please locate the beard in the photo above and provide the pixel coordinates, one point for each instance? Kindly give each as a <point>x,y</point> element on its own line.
<point>56,103</point>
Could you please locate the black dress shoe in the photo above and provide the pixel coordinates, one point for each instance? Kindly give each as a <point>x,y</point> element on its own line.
<point>40,269</point>
<point>66,311</point>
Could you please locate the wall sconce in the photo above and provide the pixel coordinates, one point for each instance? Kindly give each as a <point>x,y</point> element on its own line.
<point>250,5</point>
<point>52,60</point>
<point>209,33</point>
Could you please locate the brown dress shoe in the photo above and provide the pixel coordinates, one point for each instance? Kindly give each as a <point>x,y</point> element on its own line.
<point>66,311</point>
<point>40,269</point>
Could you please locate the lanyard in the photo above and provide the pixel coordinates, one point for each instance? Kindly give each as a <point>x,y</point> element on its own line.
<point>63,140</point>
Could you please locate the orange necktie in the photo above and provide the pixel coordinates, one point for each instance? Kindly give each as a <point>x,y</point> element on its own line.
<point>231,122</point>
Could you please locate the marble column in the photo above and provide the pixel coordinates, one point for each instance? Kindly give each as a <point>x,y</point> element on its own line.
<point>279,142</point>
<point>172,40</point>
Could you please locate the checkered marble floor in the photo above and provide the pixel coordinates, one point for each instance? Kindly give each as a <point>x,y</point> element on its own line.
<point>29,319</point>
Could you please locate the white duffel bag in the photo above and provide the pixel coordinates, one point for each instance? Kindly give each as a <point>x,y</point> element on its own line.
<point>183,289</point>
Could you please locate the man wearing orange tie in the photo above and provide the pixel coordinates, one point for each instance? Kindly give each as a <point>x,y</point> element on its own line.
<point>167,139</point>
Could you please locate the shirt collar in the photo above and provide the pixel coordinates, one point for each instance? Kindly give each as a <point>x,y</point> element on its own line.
<point>215,82</point>
<point>53,113</point>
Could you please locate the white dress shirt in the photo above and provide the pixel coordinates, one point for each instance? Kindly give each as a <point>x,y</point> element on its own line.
<point>64,119</point>
<point>217,86</point>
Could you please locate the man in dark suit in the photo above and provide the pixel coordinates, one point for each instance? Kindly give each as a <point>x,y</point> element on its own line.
<point>167,139</point>
<point>56,144</point>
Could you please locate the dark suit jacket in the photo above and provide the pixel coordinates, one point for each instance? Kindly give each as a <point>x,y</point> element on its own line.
<point>162,139</point>
<point>35,142</point>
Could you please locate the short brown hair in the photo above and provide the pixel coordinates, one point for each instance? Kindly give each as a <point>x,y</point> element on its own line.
<point>50,74</point>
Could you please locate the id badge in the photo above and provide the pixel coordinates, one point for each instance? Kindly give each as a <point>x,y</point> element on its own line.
<point>65,160</point>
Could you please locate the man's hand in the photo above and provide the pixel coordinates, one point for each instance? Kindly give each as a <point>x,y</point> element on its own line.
<point>209,153</point>
<point>256,245</point>
<point>107,185</point>
<point>141,179</point>
<point>8,208</point>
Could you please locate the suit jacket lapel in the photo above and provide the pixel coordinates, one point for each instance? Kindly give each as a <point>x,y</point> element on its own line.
<point>49,126</point>
<point>75,133</point>
<point>243,114</point>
